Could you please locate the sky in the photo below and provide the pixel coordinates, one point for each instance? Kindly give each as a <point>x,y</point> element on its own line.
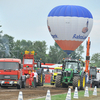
<point>27,19</point>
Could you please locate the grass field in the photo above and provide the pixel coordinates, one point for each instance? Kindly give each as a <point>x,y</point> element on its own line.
<point>63,96</point>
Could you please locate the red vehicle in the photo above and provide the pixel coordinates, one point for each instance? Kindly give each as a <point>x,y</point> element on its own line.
<point>30,64</point>
<point>11,73</point>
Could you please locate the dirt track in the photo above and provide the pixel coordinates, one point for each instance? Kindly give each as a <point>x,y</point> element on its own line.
<point>12,93</point>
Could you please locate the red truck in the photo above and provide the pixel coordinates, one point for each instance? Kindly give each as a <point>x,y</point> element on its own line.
<point>11,73</point>
<point>30,64</point>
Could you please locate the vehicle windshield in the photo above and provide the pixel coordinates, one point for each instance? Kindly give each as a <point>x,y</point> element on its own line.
<point>57,70</point>
<point>28,61</point>
<point>71,65</point>
<point>92,71</point>
<point>9,65</point>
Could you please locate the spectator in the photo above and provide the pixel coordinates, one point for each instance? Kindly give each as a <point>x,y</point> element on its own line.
<point>31,79</point>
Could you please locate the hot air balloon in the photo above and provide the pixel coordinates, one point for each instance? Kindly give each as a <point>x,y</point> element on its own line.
<point>69,25</point>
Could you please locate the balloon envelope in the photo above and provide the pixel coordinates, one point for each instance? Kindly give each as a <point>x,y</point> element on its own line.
<point>69,25</point>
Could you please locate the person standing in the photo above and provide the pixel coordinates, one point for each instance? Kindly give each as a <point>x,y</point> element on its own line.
<point>31,79</point>
<point>35,78</point>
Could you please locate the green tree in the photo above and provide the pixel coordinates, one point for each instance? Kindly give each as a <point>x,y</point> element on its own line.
<point>1,46</point>
<point>77,54</point>
<point>56,54</point>
<point>7,44</point>
<point>53,55</point>
<point>17,49</point>
<point>40,48</point>
<point>25,44</point>
<point>95,60</point>
<point>20,47</point>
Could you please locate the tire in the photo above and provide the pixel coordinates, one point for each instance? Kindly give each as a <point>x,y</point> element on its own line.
<point>23,84</point>
<point>58,81</point>
<point>76,82</point>
<point>93,85</point>
<point>99,84</point>
<point>40,80</point>
<point>51,80</point>
<point>5,87</point>
<point>83,82</point>
<point>18,86</point>
<point>52,83</point>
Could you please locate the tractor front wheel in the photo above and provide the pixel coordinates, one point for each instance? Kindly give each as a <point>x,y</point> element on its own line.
<point>58,81</point>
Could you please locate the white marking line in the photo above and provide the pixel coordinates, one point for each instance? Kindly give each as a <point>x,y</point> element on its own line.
<point>45,96</point>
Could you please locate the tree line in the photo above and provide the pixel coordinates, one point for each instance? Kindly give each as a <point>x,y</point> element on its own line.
<point>15,49</point>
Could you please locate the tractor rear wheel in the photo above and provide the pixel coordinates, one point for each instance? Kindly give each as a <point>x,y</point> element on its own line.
<point>40,80</point>
<point>58,81</point>
<point>76,82</point>
<point>83,83</point>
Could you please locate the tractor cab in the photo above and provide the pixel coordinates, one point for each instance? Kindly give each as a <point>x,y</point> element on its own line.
<point>72,65</point>
<point>93,73</point>
<point>57,69</point>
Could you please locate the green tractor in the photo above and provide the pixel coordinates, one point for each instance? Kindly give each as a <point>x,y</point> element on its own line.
<point>71,75</point>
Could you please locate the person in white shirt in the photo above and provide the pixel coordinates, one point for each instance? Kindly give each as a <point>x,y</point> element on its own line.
<point>35,78</point>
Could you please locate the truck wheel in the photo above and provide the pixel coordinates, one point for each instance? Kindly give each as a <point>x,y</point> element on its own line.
<point>58,81</point>
<point>18,86</point>
<point>23,84</point>
<point>4,87</point>
<point>76,82</point>
<point>83,82</point>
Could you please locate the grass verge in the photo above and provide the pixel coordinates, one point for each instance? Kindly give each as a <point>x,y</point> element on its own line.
<point>63,96</point>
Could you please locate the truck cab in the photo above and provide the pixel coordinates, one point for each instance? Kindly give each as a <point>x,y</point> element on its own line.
<point>11,73</point>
